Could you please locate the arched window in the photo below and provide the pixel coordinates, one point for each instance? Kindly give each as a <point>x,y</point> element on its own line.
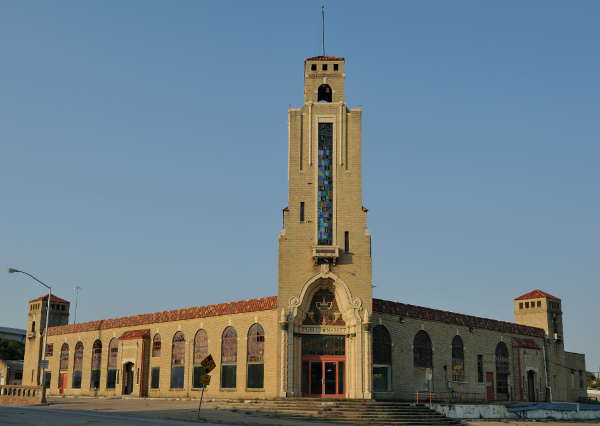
<point>156,345</point>
<point>229,358</point>
<point>178,361</point>
<point>256,357</point>
<point>77,365</point>
<point>64,356</point>
<point>200,352</point>
<point>33,326</point>
<point>325,93</point>
<point>382,359</point>
<point>502,371</point>
<point>113,353</point>
<point>458,359</point>
<point>423,354</point>
<point>96,363</point>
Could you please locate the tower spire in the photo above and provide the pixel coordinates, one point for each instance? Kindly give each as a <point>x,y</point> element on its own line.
<point>323,27</point>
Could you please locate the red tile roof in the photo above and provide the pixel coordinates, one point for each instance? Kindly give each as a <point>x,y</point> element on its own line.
<point>54,299</point>
<point>537,294</point>
<point>252,305</point>
<point>135,334</point>
<point>428,314</point>
<point>525,343</point>
<point>325,58</point>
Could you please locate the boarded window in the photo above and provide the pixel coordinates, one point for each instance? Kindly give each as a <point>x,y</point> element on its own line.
<point>458,360</point>
<point>178,361</point>
<point>422,351</point>
<point>64,357</point>
<point>156,345</point>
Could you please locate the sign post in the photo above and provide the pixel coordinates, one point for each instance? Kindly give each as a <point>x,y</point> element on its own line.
<point>208,364</point>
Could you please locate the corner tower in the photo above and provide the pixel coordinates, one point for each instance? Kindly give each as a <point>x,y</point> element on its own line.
<point>542,310</point>
<point>324,246</point>
<point>36,323</point>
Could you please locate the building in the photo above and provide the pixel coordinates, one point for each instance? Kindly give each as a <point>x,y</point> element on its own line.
<point>323,335</point>
<point>12,334</point>
<point>11,372</point>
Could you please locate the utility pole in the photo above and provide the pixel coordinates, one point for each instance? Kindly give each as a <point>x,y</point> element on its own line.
<point>77,289</point>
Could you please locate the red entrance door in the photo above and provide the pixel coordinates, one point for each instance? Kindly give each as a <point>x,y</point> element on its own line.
<point>323,376</point>
<point>62,382</point>
<point>489,378</point>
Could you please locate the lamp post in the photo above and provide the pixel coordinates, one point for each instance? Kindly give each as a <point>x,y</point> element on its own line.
<point>12,271</point>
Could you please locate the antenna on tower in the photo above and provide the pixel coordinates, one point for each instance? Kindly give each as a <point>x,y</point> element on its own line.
<point>77,290</point>
<point>323,27</point>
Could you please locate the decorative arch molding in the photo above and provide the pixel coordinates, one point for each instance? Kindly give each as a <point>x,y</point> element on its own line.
<point>350,307</point>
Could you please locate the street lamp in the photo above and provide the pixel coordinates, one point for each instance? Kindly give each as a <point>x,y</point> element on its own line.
<point>12,271</point>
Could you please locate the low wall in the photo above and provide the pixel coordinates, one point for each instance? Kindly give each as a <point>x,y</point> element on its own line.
<point>22,395</point>
<point>558,411</point>
<point>594,394</point>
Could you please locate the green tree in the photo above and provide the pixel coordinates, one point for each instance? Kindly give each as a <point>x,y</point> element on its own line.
<point>11,349</point>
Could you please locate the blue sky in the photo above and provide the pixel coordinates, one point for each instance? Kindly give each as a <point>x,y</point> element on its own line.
<point>143,150</point>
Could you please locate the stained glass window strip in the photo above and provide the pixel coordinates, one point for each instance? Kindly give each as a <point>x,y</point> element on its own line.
<point>229,346</point>
<point>78,362</point>
<point>156,345</point>
<point>178,349</point>
<point>200,346</point>
<point>96,355</point>
<point>113,352</point>
<point>325,185</point>
<point>64,356</point>
<point>458,359</point>
<point>256,343</point>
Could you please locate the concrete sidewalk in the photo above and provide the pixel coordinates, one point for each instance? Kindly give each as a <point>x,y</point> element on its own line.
<point>177,409</point>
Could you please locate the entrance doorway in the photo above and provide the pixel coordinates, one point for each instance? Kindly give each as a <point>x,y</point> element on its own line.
<point>323,366</point>
<point>62,382</point>
<point>128,378</point>
<point>531,393</point>
<point>323,376</point>
<point>489,380</point>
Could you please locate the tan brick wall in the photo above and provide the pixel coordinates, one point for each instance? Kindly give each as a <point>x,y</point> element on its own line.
<point>405,378</point>
<point>214,327</point>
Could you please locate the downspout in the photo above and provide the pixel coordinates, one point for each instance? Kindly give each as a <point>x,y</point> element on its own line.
<point>548,387</point>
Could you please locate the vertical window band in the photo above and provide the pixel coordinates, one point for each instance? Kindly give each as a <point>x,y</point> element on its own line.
<point>325,185</point>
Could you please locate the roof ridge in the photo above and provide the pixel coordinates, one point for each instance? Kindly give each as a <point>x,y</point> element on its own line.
<point>536,294</point>
<point>449,317</point>
<point>218,309</point>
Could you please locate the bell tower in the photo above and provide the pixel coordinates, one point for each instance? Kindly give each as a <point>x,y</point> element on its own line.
<point>324,245</point>
<point>36,324</point>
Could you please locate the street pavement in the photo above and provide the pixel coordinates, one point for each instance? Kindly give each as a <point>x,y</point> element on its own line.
<point>43,416</point>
